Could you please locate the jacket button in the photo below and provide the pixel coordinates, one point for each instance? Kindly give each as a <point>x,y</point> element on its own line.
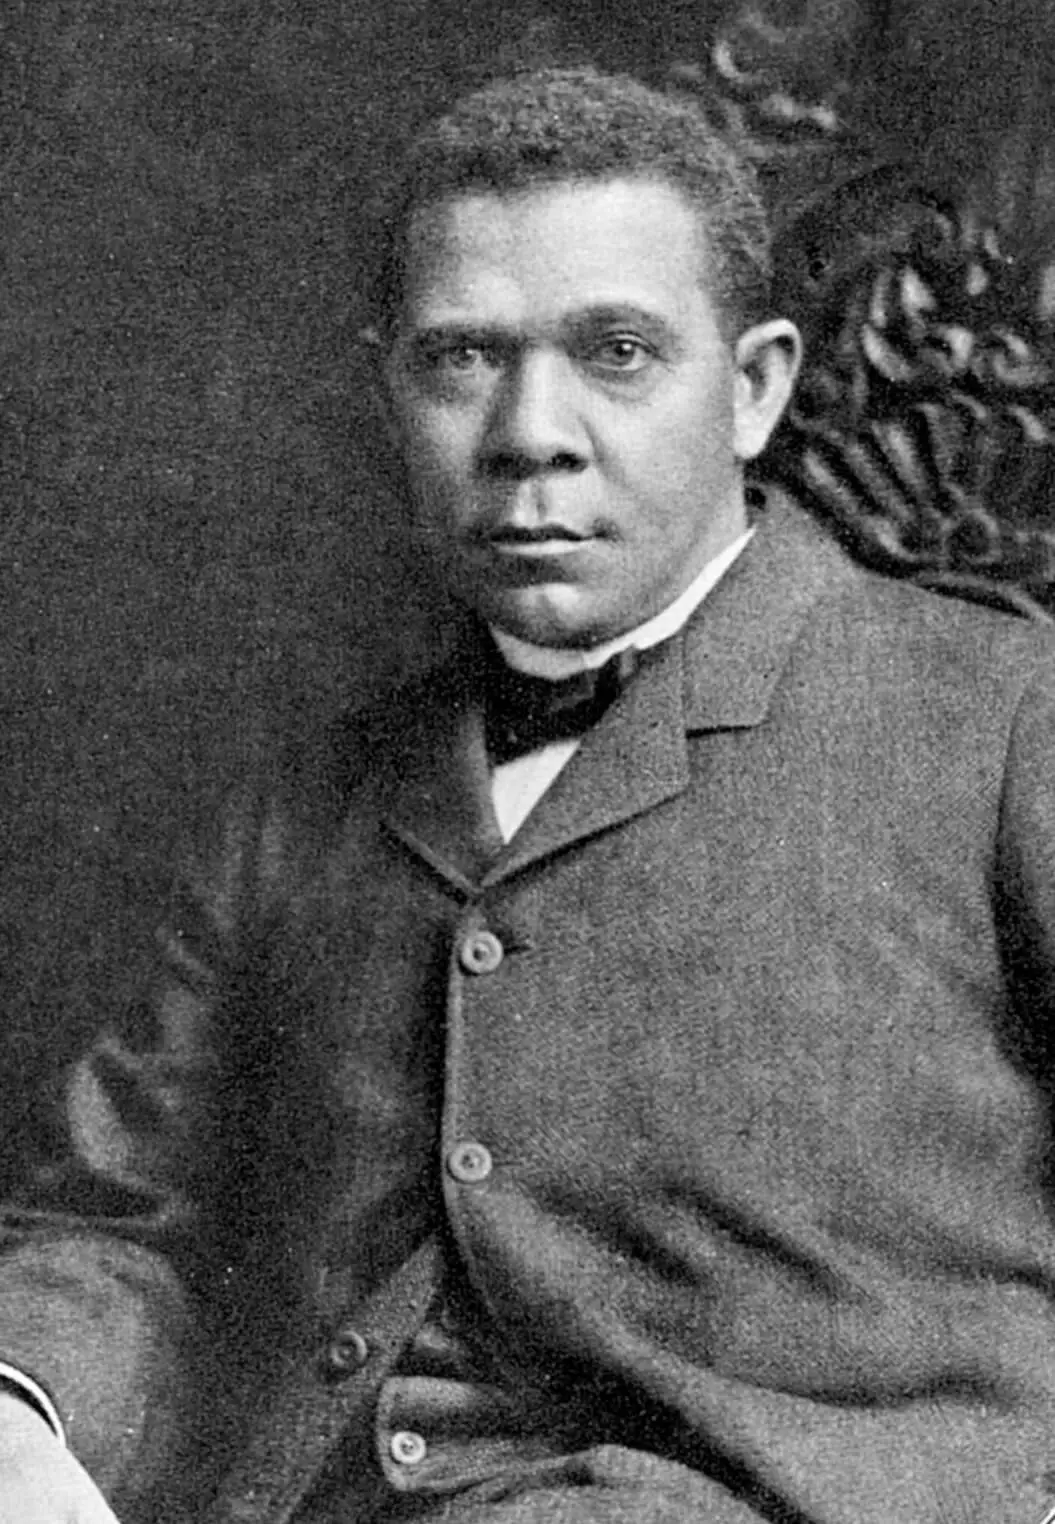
<point>348,1351</point>
<point>469,1163</point>
<point>481,953</point>
<point>407,1448</point>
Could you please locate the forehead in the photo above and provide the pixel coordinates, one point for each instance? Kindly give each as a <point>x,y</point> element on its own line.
<point>550,249</point>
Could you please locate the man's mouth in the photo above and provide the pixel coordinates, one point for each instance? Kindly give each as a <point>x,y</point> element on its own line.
<point>544,540</point>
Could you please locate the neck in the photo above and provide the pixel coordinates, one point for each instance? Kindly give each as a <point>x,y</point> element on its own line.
<point>564,661</point>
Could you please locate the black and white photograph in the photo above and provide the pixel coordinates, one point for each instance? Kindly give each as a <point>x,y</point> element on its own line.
<point>527,762</point>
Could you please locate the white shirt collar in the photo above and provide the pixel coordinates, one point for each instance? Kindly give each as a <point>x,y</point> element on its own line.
<point>564,661</point>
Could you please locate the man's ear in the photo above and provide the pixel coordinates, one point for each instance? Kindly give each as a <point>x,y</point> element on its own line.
<point>767,359</point>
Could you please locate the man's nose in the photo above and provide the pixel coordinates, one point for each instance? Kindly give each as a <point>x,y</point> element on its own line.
<point>534,426</point>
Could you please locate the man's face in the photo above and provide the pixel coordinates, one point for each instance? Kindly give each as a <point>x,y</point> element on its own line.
<point>568,410</point>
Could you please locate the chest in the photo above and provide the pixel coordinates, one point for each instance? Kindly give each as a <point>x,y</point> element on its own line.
<point>773,941</point>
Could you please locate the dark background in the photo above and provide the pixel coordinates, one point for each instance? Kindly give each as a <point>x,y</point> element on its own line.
<point>197,519</point>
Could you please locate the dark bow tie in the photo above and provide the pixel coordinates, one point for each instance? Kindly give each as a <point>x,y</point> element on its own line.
<point>525,712</point>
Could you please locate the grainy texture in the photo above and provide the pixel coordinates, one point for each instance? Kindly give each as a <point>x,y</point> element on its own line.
<point>197,517</point>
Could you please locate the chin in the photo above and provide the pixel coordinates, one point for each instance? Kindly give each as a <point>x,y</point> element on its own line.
<point>546,625</point>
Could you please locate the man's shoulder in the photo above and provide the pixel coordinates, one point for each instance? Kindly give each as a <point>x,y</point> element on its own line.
<point>368,737</point>
<point>308,772</point>
<point>801,609</point>
<point>960,624</point>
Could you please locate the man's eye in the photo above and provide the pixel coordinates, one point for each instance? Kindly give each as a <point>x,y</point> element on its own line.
<point>622,352</point>
<point>458,358</point>
<point>462,356</point>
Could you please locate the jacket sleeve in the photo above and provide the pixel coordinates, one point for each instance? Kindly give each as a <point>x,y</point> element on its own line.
<point>112,1253</point>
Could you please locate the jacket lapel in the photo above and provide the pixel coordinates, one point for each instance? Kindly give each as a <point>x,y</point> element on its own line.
<point>738,643</point>
<point>632,761</point>
<point>720,675</point>
<point>437,795</point>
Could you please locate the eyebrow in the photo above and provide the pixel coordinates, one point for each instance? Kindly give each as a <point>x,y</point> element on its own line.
<point>654,325</point>
<point>578,320</point>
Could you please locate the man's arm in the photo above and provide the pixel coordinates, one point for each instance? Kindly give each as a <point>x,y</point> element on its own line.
<point>107,1262</point>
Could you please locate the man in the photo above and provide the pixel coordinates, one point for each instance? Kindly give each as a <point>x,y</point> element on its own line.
<point>628,1107</point>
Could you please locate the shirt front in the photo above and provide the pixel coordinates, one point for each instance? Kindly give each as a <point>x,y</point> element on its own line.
<point>517,786</point>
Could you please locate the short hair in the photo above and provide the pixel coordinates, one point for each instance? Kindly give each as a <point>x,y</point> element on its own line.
<point>558,126</point>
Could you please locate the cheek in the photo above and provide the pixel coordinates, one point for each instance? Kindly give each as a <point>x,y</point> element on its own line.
<point>438,446</point>
<point>439,474</point>
<point>664,474</point>
<point>675,437</point>
<point>698,450</point>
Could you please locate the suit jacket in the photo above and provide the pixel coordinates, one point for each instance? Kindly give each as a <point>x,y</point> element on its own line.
<point>747,1030</point>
